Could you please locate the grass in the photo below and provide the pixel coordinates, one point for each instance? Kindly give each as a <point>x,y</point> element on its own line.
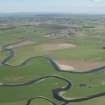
<point>40,102</point>
<point>97,101</point>
<point>33,70</point>
<point>37,101</point>
<point>25,73</point>
<point>88,48</point>
<point>2,55</point>
<point>36,89</point>
<point>23,102</point>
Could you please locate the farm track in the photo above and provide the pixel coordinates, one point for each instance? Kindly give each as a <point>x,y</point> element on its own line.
<point>56,91</point>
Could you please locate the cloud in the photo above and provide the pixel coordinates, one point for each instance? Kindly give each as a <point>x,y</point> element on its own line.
<point>98,1</point>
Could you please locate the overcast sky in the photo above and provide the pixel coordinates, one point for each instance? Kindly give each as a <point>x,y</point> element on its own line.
<point>53,6</point>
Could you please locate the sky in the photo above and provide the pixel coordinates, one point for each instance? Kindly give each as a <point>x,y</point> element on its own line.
<point>53,6</point>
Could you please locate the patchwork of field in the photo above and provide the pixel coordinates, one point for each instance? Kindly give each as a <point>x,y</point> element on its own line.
<point>50,62</point>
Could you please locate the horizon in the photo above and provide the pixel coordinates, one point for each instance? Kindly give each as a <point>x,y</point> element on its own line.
<point>47,13</point>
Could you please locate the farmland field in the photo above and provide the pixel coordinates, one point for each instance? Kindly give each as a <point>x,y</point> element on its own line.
<point>52,60</point>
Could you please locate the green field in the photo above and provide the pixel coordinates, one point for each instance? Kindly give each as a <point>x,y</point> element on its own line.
<point>31,71</point>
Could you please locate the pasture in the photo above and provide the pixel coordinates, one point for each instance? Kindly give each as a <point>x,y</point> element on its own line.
<point>31,53</point>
